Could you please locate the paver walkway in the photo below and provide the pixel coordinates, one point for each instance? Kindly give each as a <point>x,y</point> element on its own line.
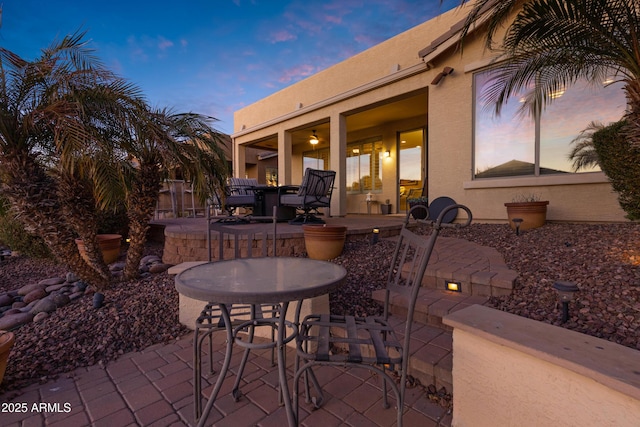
<point>154,388</point>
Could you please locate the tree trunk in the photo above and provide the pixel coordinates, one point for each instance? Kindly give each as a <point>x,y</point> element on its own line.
<point>33,195</point>
<point>141,202</point>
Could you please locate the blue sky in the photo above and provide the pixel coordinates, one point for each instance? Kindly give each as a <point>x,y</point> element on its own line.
<point>214,57</point>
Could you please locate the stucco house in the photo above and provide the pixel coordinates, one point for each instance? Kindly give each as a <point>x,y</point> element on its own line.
<point>407,117</point>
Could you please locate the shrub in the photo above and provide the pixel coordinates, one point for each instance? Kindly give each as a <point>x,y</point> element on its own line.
<point>621,163</point>
<point>15,236</point>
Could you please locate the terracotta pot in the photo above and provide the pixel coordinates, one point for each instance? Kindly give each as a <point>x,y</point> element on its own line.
<point>6,342</point>
<point>533,214</point>
<point>109,245</point>
<point>324,242</point>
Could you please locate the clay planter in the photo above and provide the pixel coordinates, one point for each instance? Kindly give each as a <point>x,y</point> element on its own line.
<point>6,342</point>
<point>324,242</point>
<point>533,214</point>
<point>109,245</point>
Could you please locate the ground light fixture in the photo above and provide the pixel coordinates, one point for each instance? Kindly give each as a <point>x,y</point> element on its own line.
<point>375,235</point>
<point>453,286</point>
<point>566,292</point>
<point>517,222</point>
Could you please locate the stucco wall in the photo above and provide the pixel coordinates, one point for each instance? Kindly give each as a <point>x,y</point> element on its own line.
<point>512,371</point>
<point>449,122</point>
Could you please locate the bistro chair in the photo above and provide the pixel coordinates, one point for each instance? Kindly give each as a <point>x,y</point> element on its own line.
<point>233,241</point>
<point>314,193</point>
<point>239,193</point>
<point>370,342</point>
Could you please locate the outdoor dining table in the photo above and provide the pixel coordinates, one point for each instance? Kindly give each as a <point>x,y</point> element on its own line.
<point>277,280</point>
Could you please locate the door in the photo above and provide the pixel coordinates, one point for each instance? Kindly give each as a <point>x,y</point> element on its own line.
<point>411,166</point>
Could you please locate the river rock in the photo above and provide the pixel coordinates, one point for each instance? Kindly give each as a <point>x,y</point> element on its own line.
<point>59,299</point>
<point>52,281</point>
<point>5,300</point>
<point>19,304</point>
<point>72,278</point>
<point>150,259</point>
<point>45,304</point>
<point>54,288</point>
<point>40,316</point>
<point>9,322</point>
<point>28,288</point>
<point>36,294</point>
<point>158,268</point>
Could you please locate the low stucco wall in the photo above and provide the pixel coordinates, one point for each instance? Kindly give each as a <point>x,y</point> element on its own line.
<point>509,370</point>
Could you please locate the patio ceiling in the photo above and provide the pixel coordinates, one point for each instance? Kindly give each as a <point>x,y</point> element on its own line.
<point>366,117</point>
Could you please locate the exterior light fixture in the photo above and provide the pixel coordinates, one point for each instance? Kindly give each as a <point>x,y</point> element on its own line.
<point>387,154</point>
<point>566,292</point>
<point>517,222</point>
<point>375,236</point>
<point>314,138</point>
<point>445,72</point>
<point>453,286</point>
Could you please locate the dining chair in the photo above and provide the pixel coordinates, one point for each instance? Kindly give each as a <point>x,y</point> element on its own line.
<point>233,241</point>
<point>370,342</point>
<point>314,193</point>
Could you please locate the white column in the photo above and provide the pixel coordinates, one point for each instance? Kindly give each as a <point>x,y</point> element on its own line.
<point>338,163</point>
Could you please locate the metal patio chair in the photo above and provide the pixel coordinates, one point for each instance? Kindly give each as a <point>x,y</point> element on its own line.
<point>370,342</point>
<point>233,241</point>
<point>314,193</point>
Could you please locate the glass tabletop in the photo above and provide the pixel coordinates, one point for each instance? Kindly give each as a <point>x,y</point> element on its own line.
<point>260,280</point>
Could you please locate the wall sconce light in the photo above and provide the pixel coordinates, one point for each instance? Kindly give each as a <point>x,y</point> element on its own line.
<point>386,154</point>
<point>566,292</point>
<point>445,72</point>
<point>375,236</point>
<point>517,222</point>
<point>453,286</point>
<point>314,138</point>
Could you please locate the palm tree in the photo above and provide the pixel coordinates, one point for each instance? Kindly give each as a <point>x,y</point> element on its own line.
<point>551,44</point>
<point>584,154</point>
<point>47,117</point>
<point>76,141</point>
<point>159,142</point>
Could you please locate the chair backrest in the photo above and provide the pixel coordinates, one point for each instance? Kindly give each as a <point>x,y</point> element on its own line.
<point>241,186</point>
<point>317,183</point>
<point>242,240</point>
<point>410,259</point>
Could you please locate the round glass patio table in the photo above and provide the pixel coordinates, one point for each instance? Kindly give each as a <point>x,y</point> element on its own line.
<point>259,281</point>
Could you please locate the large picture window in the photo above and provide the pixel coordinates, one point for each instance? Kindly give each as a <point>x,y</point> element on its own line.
<point>315,159</point>
<point>514,144</point>
<point>364,172</point>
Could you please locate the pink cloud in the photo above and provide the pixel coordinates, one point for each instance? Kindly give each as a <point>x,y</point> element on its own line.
<point>281,36</point>
<point>296,73</point>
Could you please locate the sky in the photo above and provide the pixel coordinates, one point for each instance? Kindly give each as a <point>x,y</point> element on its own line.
<point>213,57</point>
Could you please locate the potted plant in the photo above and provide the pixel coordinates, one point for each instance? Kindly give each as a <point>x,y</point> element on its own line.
<point>324,242</point>
<point>419,201</point>
<point>385,208</point>
<point>530,209</point>
<point>6,342</point>
<point>109,245</point>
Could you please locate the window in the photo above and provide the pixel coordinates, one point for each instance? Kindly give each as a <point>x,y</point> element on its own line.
<point>364,159</point>
<point>514,144</point>
<point>315,159</point>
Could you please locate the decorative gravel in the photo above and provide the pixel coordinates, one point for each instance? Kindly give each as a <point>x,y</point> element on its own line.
<point>603,260</point>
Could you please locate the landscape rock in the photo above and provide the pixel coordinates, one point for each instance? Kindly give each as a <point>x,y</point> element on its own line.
<point>34,295</point>
<point>29,288</point>
<point>51,281</point>
<point>158,268</point>
<point>11,321</point>
<point>5,299</point>
<point>46,304</point>
<point>40,316</point>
